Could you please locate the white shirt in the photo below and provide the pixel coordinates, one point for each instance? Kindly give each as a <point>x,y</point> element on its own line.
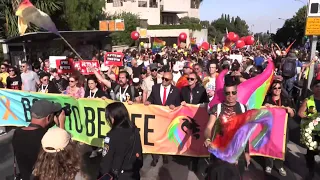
<point>167,92</point>
<point>176,77</point>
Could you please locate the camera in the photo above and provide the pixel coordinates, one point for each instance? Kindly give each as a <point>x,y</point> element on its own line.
<point>66,109</point>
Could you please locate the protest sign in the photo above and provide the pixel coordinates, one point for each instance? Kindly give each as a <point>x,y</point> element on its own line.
<point>113,58</point>
<point>64,65</point>
<point>83,66</point>
<point>163,131</point>
<point>52,60</point>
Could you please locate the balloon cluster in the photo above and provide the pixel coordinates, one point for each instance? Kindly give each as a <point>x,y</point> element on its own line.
<point>239,42</point>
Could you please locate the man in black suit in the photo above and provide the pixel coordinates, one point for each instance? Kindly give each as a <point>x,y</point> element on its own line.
<point>167,95</point>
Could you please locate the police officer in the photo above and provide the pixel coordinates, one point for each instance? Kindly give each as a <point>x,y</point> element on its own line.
<point>122,151</point>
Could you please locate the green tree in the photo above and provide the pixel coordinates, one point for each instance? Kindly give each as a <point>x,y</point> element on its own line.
<point>264,38</point>
<point>83,14</point>
<point>131,21</point>
<point>8,19</point>
<point>191,22</point>
<point>293,28</point>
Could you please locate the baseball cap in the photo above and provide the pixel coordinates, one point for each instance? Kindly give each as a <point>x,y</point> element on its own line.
<point>55,140</point>
<point>188,65</point>
<point>42,108</point>
<point>153,66</point>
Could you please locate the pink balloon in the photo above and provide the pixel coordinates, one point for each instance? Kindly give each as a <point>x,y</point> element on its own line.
<point>249,40</point>
<point>244,93</point>
<point>240,44</point>
<point>205,45</point>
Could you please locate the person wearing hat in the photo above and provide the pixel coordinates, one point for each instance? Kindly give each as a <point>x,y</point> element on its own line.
<point>149,81</point>
<point>236,75</point>
<point>59,153</point>
<point>137,85</point>
<point>26,141</point>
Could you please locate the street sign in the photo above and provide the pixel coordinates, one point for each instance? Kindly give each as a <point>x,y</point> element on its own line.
<point>314,8</point>
<point>313,26</point>
<point>313,19</point>
<point>112,25</point>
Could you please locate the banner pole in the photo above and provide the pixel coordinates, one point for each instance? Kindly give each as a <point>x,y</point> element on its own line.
<point>70,46</point>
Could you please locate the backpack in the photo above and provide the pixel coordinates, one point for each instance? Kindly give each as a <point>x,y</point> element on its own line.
<point>240,108</point>
<point>117,88</point>
<point>289,68</point>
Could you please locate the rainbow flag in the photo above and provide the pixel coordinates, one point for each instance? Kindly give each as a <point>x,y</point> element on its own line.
<point>27,14</point>
<point>253,97</point>
<point>264,129</point>
<point>157,45</point>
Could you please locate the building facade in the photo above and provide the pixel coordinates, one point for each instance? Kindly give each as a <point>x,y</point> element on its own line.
<point>155,12</point>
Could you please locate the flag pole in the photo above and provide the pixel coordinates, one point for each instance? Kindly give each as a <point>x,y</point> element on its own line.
<point>70,46</point>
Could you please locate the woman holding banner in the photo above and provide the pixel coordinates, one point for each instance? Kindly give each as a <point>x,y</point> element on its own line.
<point>47,86</point>
<point>74,89</point>
<point>277,98</point>
<point>122,153</point>
<point>94,91</point>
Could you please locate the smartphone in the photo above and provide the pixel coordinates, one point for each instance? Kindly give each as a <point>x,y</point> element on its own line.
<point>314,8</point>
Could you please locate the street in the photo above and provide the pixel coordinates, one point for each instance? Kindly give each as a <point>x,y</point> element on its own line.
<point>176,168</point>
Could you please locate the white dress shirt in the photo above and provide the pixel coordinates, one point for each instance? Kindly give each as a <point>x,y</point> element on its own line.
<point>167,92</point>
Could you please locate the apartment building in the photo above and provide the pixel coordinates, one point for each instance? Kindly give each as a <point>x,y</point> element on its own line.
<point>156,12</point>
<point>160,12</point>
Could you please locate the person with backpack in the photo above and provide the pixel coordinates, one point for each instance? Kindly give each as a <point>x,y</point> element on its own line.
<point>120,91</point>
<point>219,115</point>
<point>289,70</point>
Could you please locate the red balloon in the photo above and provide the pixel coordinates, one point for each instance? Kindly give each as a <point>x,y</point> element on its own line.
<point>135,35</point>
<point>236,38</point>
<point>243,38</point>
<point>249,40</point>
<point>205,46</point>
<point>182,36</point>
<point>240,44</point>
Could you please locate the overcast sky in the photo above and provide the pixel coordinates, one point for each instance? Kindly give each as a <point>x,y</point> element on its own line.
<point>260,15</point>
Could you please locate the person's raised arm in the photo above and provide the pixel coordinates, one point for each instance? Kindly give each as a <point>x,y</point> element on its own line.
<point>100,78</point>
<point>302,109</point>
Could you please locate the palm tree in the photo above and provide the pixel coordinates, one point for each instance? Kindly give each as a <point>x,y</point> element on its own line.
<point>9,21</point>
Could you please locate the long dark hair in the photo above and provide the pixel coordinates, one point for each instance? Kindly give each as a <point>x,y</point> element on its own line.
<point>119,113</point>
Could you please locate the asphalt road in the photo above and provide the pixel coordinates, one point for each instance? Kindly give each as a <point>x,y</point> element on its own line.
<point>176,168</point>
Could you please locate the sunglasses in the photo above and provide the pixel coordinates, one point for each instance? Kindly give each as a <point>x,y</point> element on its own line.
<point>45,79</point>
<point>143,73</point>
<point>154,70</point>
<point>231,92</point>
<point>11,70</point>
<point>276,88</point>
<point>165,79</point>
<point>190,79</point>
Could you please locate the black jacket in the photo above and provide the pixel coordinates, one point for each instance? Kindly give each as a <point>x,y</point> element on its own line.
<point>199,95</point>
<point>172,99</point>
<point>118,147</point>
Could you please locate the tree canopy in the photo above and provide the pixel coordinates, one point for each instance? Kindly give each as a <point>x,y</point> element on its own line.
<point>293,28</point>
<point>131,22</point>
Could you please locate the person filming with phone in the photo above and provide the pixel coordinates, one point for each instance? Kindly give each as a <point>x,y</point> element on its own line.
<point>26,141</point>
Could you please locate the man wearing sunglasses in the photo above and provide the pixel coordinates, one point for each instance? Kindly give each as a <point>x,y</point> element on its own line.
<point>164,94</point>
<point>149,81</point>
<point>221,113</point>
